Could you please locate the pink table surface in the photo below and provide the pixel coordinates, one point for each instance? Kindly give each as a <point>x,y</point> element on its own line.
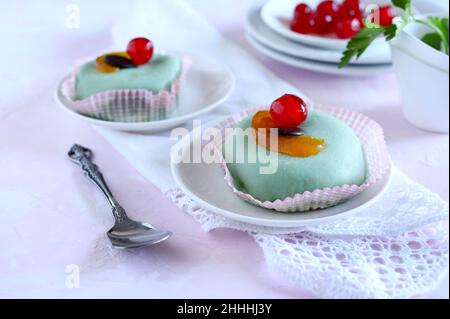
<point>52,217</point>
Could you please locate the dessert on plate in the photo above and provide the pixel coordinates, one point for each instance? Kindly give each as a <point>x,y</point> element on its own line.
<point>135,85</point>
<point>321,160</point>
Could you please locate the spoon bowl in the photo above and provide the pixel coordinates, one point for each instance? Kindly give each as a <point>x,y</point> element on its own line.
<point>132,234</point>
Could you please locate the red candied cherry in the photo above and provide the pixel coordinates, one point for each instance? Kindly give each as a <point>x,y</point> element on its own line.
<point>288,111</point>
<point>303,19</point>
<point>386,15</point>
<point>348,14</point>
<point>140,50</point>
<point>347,28</point>
<point>354,5</point>
<point>304,25</point>
<point>327,7</point>
<point>325,16</point>
<point>350,9</point>
<point>302,10</point>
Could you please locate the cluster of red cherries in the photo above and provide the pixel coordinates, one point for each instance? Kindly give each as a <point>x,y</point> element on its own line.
<point>344,20</point>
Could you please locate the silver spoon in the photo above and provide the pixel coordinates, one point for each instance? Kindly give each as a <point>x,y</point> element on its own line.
<point>125,233</point>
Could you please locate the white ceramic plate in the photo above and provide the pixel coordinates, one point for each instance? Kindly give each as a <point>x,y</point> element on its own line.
<point>205,184</point>
<point>322,67</point>
<point>277,14</point>
<point>208,84</point>
<point>259,31</point>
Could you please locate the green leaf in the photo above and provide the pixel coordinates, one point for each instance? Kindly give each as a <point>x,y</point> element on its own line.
<point>445,23</point>
<point>403,4</point>
<point>441,24</point>
<point>433,40</point>
<point>390,31</point>
<point>440,27</point>
<point>360,42</point>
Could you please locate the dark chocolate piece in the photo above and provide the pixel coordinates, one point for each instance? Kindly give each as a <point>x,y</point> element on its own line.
<point>119,61</point>
<point>289,131</point>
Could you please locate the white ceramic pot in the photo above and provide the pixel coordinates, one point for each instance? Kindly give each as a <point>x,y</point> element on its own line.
<point>423,75</point>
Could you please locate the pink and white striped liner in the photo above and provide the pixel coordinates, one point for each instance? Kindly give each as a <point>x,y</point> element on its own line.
<point>139,105</point>
<point>378,162</point>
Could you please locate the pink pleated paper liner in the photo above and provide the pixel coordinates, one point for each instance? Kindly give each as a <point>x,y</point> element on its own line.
<point>138,105</point>
<point>378,162</point>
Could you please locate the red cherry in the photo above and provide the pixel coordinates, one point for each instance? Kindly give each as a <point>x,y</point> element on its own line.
<point>328,7</point>
<point>140,50</point>
<point>347,28</point>
<point>288,111</point>
<point>302,9</point>
<point>386,15</point>
<point>325,16</point>
<point>303,24</point>
<point>350,9</point>
<point>354,5</point>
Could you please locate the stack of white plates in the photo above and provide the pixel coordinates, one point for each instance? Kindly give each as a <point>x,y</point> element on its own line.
<point>267,29</point>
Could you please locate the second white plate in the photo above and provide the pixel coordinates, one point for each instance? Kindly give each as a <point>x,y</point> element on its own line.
<point>322,67</point>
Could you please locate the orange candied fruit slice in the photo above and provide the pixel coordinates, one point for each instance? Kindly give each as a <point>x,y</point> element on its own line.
<point>297,146</point>
<point>103,67</point>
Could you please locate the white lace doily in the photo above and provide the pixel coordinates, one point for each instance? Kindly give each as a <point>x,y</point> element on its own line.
<point>397,248</point>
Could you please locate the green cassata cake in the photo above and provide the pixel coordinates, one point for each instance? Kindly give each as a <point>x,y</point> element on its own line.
<point>341,161</point>
<point>155,76</point>
<point>136,85</point>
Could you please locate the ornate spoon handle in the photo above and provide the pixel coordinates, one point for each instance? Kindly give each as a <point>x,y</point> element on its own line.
<point>82,156</point>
